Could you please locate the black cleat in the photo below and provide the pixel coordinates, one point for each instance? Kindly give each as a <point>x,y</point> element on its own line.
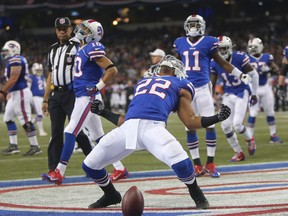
<point>199,199</point>
<point>106,200</point>
<point>12,149</point>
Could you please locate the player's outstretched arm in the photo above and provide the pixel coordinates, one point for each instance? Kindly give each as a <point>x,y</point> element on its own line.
<point>98,108</point>
<point>192,122</point>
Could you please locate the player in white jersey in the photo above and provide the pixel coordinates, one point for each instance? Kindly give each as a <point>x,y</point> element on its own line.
<point>236,96</point>
<point>19,104</point>
<point>196,52</point>
<point>36,82</point>
<point>264,64</point>
<point>145,129</point>
<point>89,79</point>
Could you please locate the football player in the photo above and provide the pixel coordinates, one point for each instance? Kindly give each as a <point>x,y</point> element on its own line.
<point>37,85</point>
<point>196,51</point>
<point>90,63</point>
<point>19,104</point>
<point>264,64</point>
<point>145,128</point>
<point>236,96</point>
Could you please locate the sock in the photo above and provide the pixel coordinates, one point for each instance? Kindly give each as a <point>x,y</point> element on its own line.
<point>68,147</point>
<point>12,132</point>
<point>184,171</point>
<point>62,167</point>
<point>272,126</point>
<point>211,143</point>
<point>233,141</point>
<point>33,141</point>
<point>250,126</point>
<point>100,177</point>
<point>193,145</point>
<point>246,134</point>
<point>31,134</point>
<point>118,166</point>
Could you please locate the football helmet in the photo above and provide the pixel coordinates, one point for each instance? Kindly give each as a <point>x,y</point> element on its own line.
<point>173,62</point>
<point>10,49</point>
<point>37,69</point>
<point>225,46</point>
<point>88,31</point>
<point>255,46</point>
<point>194,25</point>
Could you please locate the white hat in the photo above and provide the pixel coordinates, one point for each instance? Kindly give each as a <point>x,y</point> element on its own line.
<point>158,52</point>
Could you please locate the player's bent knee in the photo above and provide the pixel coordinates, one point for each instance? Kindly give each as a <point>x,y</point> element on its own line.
<point>29,127</point>
<point>238,128</point>
<point>183,168</point>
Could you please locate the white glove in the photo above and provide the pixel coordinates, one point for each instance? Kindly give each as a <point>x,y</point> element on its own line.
<point>245,78</point>
<point>265,68</point>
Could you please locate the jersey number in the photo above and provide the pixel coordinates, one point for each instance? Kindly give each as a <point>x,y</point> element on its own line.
<point>78,71</point>
<point>196,64</point>
<point>159,83</point>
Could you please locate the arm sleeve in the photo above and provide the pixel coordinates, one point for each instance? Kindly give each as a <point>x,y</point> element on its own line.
<point>255,81</point>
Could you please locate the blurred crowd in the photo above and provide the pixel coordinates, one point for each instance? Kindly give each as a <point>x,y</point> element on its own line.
<point>129,50</point>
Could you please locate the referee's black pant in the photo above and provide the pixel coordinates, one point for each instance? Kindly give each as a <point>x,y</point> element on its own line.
<point>61,105</point>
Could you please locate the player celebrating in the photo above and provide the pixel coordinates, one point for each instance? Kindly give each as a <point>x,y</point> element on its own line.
<point>37,84</point>
<point>263,63</point>
<point>90,62</point>
<point>236,96</point>
<point>145,128</point>
<point>196,52</point>
<point>20,102</point>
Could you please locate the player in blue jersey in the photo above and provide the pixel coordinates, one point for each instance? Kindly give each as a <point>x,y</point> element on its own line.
<point>264,64</point>
<point>89,79</point>
<point>36,82</point>
<point>19,104</point>
<point>283,72</point>
<point>145,128</point>
<point>236,96</point>
<point>196,52</point>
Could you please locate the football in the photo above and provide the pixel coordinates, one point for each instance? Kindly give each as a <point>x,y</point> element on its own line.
<point>133,202</point>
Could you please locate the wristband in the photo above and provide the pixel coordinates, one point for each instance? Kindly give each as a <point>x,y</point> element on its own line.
<point>45,101</point>
<point>236,72</point>
<point>100,85</point>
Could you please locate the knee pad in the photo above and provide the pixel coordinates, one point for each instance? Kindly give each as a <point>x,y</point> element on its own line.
<point>183,169</point>
<point>29,127</point>
<point>11,125</point>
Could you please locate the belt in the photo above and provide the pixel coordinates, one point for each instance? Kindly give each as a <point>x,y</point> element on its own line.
<point>62,88</point>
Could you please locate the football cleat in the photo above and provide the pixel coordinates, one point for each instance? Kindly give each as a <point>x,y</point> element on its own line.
<point>42,133</point>
<point>119,174</point>
<point>251,146</point>
<point>34,150</point>
<point>239,156</point>
<point>275,139</point>
<point>53,176</point>
<point>211,169</point>
<point>199,170</point>
<point>106,200</point>
<point>199,198</point>
<point>12,149</point>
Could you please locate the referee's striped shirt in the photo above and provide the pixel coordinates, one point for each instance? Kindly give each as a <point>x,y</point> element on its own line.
<point>61,62</point>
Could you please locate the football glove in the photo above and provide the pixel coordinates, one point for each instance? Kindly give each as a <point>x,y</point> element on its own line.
<point>253,100</point>
<point>91,90</point>
<point>245,78</point>
<point>97,107</point>
<point>224,112</point>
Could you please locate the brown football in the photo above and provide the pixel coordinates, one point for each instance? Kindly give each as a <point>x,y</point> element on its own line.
<point>132,202</point>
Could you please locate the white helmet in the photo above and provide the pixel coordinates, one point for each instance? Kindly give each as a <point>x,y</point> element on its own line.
<point>37,69</point>
<point>194,25</point>
<point>174,63</point>
<point>89,30</point>
<point>255,46</point>
<point>225,46</point>
<point>10,49</point>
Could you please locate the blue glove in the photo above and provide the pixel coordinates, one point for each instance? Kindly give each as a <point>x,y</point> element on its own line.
<point>91,90</point>
<point>253,100</point>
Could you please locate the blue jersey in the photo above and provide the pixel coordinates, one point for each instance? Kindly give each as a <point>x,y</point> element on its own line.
<point>37,85</point>
<point>257,63</point>
<point>155,97</point>
<point>232,84</point>
<point>197,57</point>
<point>87,72</point>
<point>17,60</point>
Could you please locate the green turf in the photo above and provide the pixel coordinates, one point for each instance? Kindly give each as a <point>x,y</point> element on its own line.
<point>20,167</point>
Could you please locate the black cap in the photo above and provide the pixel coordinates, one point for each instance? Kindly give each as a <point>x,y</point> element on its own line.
<point>62,22</point>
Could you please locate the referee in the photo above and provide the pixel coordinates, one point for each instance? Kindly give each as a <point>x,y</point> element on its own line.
<point>59,97</point>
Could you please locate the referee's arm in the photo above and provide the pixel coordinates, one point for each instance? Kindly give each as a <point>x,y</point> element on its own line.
<point>110,70</point>
<point>46,95</point>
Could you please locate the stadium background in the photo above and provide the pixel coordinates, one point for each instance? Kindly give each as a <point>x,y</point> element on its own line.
<point>150,24</point>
